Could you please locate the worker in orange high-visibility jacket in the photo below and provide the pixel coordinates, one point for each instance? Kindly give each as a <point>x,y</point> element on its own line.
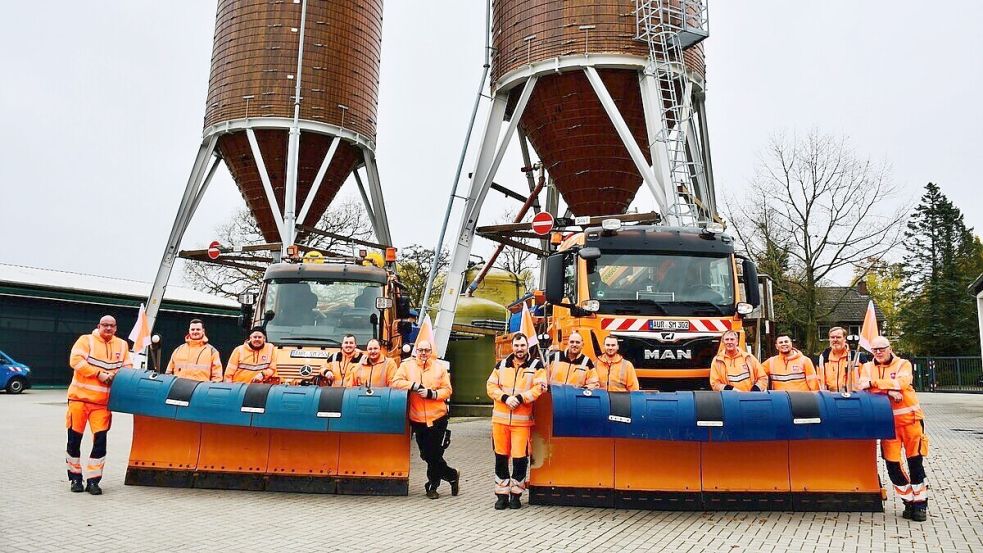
<point>733,369</point>
<point>375,371</point>
<point>891,375</point>
<point>95,358</point>
<point>572,367</point>
<point>615,373</point>
<point>513,386</point>
<point>790,371</point>
<point>429,384</point>
<point>342,362</point>
<point>196,359</point>
<point>837,371</point>
<point>254,361</point>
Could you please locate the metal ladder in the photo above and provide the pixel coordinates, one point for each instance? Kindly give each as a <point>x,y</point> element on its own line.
<point>668,27</point>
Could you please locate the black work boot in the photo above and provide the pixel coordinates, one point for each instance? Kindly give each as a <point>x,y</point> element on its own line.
<point>431,491</point>
<point>456,483</point>
<point>77,485</point>
<point>93,488</point>
<point>502,502</point>
<point>514,502</point>
<point>919,511</point>
<point>907,510</point>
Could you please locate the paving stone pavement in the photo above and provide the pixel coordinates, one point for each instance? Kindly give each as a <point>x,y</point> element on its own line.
<point>37,513</point>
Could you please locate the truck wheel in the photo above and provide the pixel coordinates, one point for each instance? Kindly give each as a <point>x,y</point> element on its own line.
<point>15,386</point>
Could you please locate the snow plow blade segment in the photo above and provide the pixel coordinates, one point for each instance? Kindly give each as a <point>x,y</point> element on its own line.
<point>264,437</point>
<point>676,450</point>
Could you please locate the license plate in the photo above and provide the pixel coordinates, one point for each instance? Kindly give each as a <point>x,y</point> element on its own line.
<point>310,354</point>
<point>668,325</point>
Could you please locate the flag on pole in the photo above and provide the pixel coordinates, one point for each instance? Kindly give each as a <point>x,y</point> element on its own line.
<point>425,333</point>
<point>140,335</point>
<point>869,330</point>
<point>527,327</point>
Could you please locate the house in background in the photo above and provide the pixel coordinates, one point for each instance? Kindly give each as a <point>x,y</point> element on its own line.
<point>847,306</point>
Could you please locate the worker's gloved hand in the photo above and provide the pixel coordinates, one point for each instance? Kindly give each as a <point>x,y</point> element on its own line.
<point>259,377</point>
<point>423,392</point>
<point>864,383</point>
<point>755,388</point>
<point>415,386</point>
<point>512,402</point>
<point>728,387</point>
<point>895,396</point>
<point>104,377</point>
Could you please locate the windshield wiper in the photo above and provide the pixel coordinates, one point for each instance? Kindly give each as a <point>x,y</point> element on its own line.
<point>328,341</point>
<point>704,306</point>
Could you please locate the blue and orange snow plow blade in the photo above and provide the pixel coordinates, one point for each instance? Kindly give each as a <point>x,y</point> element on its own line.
<point>702,451</point>
<point>264,437</point>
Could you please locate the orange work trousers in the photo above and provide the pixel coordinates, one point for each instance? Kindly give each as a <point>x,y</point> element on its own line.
<point>511,440</point>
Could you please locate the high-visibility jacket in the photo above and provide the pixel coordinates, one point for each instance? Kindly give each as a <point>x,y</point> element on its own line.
<point>371,374</point>
<point>340,364</point>
<point>793,372</point>
<point>433,376</point>
<point>525,380</point>
<point>895,376</point>
<point>578,372</point>
<point>90,356</point>
<point>834,372</point>
<point>245,362</point>
<point>742,371</point>
<point>616,374</point>
<point>197,360</point>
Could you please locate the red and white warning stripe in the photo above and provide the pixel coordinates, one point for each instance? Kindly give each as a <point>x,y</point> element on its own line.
<point>635,324</point>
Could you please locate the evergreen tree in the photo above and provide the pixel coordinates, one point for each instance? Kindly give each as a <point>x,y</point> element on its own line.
<point>944,257</point>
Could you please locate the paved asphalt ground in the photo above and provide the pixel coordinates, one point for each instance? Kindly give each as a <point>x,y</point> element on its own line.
<point>37,512</point>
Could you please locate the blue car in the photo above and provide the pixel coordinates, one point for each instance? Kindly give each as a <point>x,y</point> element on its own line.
<point>14,377</point>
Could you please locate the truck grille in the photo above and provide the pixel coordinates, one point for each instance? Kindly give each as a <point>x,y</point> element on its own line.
<point>647,353</point>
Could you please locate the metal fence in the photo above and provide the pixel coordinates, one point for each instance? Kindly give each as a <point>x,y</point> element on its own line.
<point>948,374</point>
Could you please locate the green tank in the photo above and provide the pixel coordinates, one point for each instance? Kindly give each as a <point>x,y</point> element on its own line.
<point>498,286</point>
<point>471,353</point>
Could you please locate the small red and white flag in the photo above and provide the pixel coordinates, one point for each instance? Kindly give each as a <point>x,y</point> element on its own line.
<point>527,327</point>
<point>140,335</point>
<point>869,330</point>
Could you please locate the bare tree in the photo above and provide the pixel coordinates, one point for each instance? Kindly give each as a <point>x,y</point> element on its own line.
<point>520,264</point>
<point>348,220</point>
<point>413,268</point>
<point>822,208</point>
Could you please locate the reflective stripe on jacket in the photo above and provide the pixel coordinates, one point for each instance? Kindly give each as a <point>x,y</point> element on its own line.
<point>895,376</point>
<point>245,363</point>
<point>525,380</point>
<point>90,356</point>
<point>372,375</point>
<point>579,372</point>
<point>616,374</point>
<point>793,372</point>
<point>433,376</point>
<point>741,371</point>
<point>196,360</point>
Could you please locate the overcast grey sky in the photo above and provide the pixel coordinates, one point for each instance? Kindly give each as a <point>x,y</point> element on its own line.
<point>104,104</point>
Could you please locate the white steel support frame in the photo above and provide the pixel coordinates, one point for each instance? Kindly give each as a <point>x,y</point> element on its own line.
<point>194,190</point>
<point>380,220</point>
<point>490,155</point>
<point>365,200</point>
<point>318,179</point>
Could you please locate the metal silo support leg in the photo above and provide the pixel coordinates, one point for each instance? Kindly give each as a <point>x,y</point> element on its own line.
<point>378,204</point>
<point>490,156</point>
<point>195,189</point>
<point>302,216</point>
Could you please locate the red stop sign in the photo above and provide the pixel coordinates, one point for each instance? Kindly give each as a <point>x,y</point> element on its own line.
<point>213,251</point>
<point>542,223</point>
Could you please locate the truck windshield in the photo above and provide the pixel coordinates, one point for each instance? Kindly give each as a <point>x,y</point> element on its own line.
<point>319,311</point>
<point>662,284</point>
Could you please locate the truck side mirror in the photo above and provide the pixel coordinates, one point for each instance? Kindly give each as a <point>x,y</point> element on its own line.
<point>553,288</point>
<point>751,292</point>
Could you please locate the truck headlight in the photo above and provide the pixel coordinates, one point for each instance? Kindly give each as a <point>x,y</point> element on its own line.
<point>590,305</point>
